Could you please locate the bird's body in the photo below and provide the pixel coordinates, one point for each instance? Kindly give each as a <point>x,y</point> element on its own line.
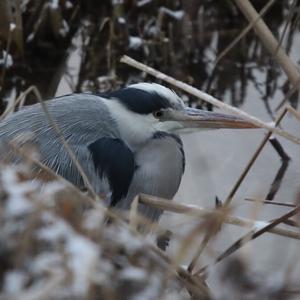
<point>117,138</point>
<point>117,169</point>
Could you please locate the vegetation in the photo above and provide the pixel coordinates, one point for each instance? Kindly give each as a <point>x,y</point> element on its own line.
<point>57,243</point>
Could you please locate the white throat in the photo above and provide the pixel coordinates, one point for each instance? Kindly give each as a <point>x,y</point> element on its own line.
<point>135,129</point>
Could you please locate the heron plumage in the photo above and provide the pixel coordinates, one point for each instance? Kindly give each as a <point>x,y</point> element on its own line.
<point>124,140</point>
<point>92,125</point>
<point>82,119</point>
<point>160,166</point>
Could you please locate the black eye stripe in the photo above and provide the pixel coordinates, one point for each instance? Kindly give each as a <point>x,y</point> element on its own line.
<point>139,101</point>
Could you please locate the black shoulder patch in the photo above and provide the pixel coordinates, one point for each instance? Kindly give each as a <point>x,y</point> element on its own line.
<point>163,134</point>
<point>115,160</point>
<point>138,100</point>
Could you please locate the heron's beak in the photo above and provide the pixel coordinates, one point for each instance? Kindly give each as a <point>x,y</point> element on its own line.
<point>191,119</point>
<point>196,118</point>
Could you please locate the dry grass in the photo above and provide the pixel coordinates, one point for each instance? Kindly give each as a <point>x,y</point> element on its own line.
<point>54,240</point>
<point>56,246</point>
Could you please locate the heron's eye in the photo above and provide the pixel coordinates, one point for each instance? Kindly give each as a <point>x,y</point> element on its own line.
<point>157,114</point>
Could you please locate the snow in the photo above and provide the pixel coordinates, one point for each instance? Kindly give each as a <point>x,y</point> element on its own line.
<point>133,274</point>
<point>30,37</point>
<point>83,259</point>
<point>17,204</point>
<point>233,286</point>
<point>66,258</point>
<point>46,261</point>
<point>192,206</point>
<point>24,4</point>
<point>94,219</point>
<point>53,187</point>
<point>143,2</point>
<point>271,124</point>
<point>64,29</point>
<point>135,42</point>
<point>54,4</point>
<point>68,4</point>
<point>12,26</point>
<point>176,14</point>
<point>258,225</point>
<point>63,257</point>
<point>125,237</point>
<point>81,252</point>
<point>121,20</point>
<point>7,60</point>
<point>57,229</point>
<point>14,281</point>
<point>151,291</point>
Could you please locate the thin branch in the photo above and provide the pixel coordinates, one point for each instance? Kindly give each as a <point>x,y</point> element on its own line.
<point>51,175</point>
<point>245,31</point>
<point>294,112</point>
<point>203,245</point>
<point>35,91</point>
<point>236,40</point>
<point>133,214</point>
<point>253,234</point>
<point>20,99</point>
<point>289,19</point>
<point>256,233</point>
<point>279,149</point>
<point>54,176</point>
<point>291,223</point>
<point>273,190</point>
<point>8,45</point>
<point>195,287</point>
<point>64,143</point>
<point>252,160</point>
<point>200,212</point>
<point>208,98</point>
<point>276,183</point>
<point>269,41</point>
<point>288,95</point>
<point>271,202</point>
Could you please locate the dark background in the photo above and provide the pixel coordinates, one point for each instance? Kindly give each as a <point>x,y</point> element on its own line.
<point>181,38</point>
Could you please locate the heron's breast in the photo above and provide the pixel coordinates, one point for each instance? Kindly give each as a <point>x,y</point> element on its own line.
<point>160,165</point>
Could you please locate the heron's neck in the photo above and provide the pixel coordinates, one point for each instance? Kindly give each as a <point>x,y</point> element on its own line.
<point>134,129</point>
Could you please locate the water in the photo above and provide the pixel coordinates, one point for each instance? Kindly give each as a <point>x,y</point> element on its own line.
<point>216,158</point>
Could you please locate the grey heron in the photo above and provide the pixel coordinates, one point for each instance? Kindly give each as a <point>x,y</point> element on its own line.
<point>125,140</point>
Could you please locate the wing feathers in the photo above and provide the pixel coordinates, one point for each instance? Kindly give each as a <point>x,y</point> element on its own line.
<point>112,158</point>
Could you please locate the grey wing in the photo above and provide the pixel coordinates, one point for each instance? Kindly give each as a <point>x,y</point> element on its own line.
<point>82,119</point>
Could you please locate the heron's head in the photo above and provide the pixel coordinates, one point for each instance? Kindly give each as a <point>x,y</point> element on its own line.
<point>142,109</point>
